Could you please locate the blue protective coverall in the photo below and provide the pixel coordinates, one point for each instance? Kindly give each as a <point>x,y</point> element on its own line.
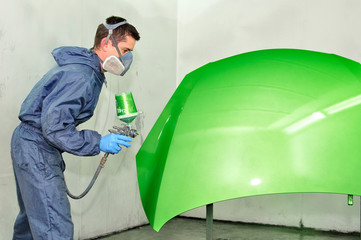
<point>65,97</point>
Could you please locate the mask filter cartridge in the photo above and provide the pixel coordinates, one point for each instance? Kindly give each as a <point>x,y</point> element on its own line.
<point>113,65</point>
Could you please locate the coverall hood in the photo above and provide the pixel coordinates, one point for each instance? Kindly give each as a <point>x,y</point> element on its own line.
<point>78,55</point>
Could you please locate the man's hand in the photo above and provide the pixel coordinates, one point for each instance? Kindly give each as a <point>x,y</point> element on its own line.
<point>111,143</point>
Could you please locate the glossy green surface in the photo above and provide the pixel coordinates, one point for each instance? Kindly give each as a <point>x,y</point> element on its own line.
<point>264,122</point>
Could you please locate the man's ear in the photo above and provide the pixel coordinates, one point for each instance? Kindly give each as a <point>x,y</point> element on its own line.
<point>105,46</point>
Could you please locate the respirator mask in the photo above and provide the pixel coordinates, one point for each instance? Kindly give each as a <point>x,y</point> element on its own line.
<point>112,64</point>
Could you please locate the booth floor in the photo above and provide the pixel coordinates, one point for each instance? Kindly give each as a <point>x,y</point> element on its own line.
<point>195,229</point>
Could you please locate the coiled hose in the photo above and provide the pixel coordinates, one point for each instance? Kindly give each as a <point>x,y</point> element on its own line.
<point>125,130</point>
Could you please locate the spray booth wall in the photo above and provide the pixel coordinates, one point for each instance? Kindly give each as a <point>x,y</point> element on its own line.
<point>29,31</point>
<point>176,38</point>
<point>210,30</point>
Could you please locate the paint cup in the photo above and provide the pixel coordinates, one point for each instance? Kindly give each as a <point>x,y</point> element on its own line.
<point>126,110</point>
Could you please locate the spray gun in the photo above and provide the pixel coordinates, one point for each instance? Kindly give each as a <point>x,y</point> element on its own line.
<point>124,130</point>
<point>126,112</point>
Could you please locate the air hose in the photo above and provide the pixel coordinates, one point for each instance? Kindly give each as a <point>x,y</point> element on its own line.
<point>125,130</point>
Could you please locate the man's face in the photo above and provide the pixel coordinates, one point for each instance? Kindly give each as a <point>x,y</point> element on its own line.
<point>125,46</point>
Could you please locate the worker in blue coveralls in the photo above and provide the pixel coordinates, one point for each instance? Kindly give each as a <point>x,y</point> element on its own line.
<point>65,97</point>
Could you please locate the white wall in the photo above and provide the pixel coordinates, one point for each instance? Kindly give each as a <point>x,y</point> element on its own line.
<point>210,30</point>
<point>29,31</point>
<point>176,38</point>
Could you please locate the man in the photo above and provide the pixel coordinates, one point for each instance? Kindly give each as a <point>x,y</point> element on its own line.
<point>65,97</point>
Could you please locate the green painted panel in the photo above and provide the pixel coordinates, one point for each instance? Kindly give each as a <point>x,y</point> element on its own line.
<point>264,122</point>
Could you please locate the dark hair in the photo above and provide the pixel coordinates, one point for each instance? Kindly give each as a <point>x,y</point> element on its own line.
<point>119,33</point>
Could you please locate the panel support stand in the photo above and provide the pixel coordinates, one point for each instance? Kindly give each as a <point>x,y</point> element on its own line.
<point>209,222</point>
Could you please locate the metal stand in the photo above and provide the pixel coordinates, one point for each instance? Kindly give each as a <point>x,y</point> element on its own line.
<point>209,218</point>
<point>209,222</point>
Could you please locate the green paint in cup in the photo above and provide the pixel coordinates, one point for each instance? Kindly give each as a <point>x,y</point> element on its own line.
<point>126,109</point>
